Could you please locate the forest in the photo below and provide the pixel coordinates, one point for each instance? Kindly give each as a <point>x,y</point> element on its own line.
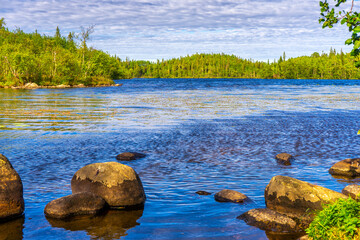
<point>330,65</point>
<point>55,60</point>
<point>49,61</point>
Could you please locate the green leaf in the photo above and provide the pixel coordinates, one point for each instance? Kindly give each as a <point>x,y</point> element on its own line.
<point>348,42</point>
<point>343,21</point>
<point>357,44</point>
<point>356,29</point>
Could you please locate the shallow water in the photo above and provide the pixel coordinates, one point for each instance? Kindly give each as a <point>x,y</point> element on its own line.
<point>198,134</point>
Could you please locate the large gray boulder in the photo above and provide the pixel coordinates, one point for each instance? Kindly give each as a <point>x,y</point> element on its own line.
<point>11,191</point>
<point>85,203</point>
<point>297,199</point>
<point>348,167</point>
<point>118,184</point>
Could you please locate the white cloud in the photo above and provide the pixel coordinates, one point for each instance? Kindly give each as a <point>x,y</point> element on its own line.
<point>152,29</point>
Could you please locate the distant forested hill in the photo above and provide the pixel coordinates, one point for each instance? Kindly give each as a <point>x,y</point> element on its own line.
<point>317,66</point>
<point>48,61</point>
<point>55,60</point>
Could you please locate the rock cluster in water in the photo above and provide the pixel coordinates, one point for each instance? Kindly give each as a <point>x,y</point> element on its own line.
<point>11,191</point>
<point>290,201</point>
<point>98,186</point>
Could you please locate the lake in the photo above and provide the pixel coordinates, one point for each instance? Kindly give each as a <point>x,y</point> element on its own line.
<point>198,134</point>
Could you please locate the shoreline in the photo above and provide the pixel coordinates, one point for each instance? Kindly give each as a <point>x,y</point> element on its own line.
<point>62,86</point>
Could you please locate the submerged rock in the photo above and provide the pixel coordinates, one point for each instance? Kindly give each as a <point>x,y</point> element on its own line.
<point>297,199</point>
<point>284,158</point>
<point>118,184</point>
<point>353,191</point>
<point>11,191</point>
<point>269,220</point>
<point>227,195</point>
<point>84,203</point>
<point>348,167</point>
<point>128,156</point>
<point>203,193</point>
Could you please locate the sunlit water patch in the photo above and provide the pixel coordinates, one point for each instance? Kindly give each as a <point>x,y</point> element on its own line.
<point>198,134</point>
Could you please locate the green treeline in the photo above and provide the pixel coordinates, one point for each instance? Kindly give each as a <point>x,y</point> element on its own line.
<point>55,60</point>
<point>318,66</point>
<point>48,61</point>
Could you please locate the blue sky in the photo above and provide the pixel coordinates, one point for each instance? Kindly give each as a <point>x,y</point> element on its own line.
<point>160,29</point>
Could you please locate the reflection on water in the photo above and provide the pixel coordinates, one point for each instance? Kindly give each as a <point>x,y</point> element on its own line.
<point>198,134</point>
<point>107,109</point>
<point>12,229</point>
<point>283,236</point>
<point>112,225</point>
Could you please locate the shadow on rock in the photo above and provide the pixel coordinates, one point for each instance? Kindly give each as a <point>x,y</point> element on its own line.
<point>111,225</point>
<point>12,229</point>
<point>283,236</point>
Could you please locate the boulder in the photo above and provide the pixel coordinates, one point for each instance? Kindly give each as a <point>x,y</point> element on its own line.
<point>203,193</point>
<point>128,156</point>
<point>297,199</point>
<point>227,195</point>
<point>11,191</point>
<point>84,203</point>
<point>31,86</point>
<point>284,158</point>
<point>63,86</point>
<point>353,191</point>
<point>118,184</point>
<point>269,220</point>
<point>347,167</point>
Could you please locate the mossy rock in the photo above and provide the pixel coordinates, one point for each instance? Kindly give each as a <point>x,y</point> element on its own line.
<point>11,191</point>
<point>296,198</point>
<point>118,184</point>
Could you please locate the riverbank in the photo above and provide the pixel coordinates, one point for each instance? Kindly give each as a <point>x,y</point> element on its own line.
<point>35,86</point>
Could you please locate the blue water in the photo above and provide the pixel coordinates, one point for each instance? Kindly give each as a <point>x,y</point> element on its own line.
<point>198,134</point>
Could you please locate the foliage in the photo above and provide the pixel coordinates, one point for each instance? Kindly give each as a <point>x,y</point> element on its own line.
<point>333,14</point>
<point>340,220</point>
<point>46,60</point>
<point>317,66</point>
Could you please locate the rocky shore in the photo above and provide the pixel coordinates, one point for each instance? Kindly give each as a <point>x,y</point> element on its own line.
<point>291,204</point>
<point>35,86</point>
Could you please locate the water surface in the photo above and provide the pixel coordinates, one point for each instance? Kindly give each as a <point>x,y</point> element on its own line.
<point>198,134</point>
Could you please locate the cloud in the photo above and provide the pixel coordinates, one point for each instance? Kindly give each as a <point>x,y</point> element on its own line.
<point>152,29</point>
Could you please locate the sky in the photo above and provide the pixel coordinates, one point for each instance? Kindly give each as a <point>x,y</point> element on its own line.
<point>164,29</point>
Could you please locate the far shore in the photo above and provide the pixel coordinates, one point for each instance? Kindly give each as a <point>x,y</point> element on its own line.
<point>35,86</point>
